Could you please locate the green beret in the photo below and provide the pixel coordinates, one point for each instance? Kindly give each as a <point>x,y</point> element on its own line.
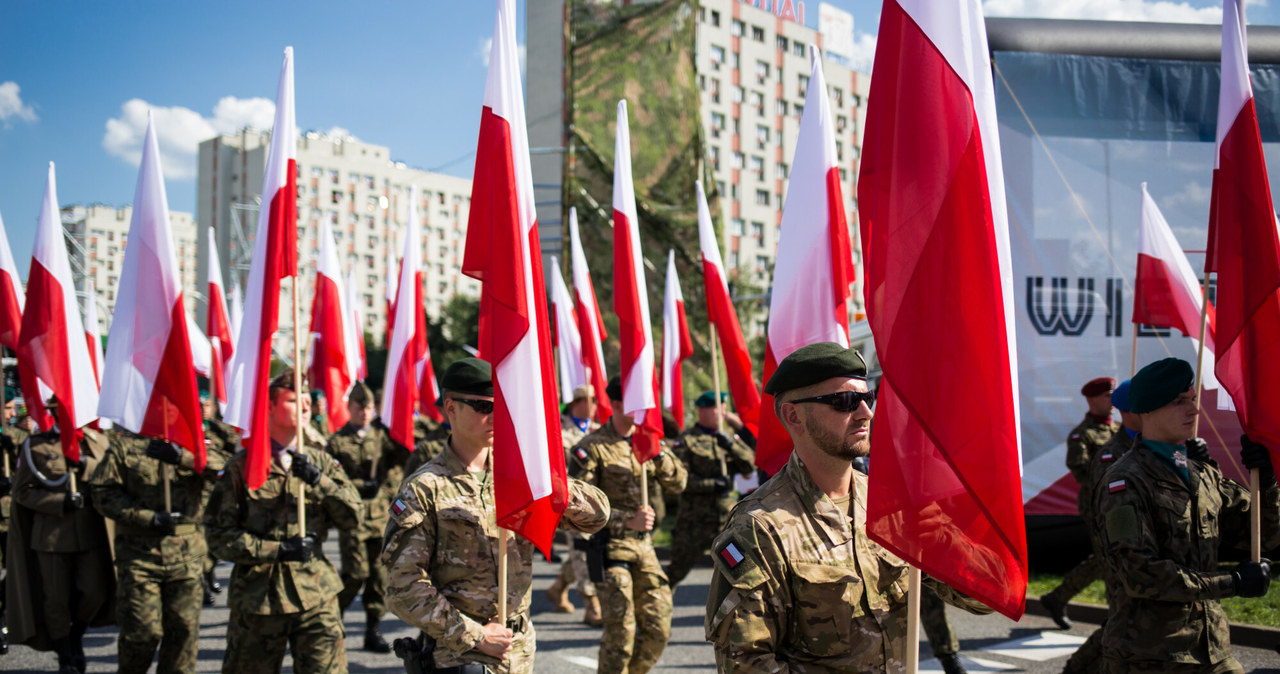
<point>708,399</point>
<point>360,394</point>
<point>1159,384</point>
<point>468,375</point>
<point>11,393</point>
<point>205,397</point>
<point>614,389</point>
<point>813,363</point>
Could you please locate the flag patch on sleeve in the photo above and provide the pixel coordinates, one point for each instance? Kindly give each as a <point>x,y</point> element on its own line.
<point>731,555</point>
<point>398,507</point>
<point>1117,485</point>
<point>580,452</point>
<point>1107,458</point>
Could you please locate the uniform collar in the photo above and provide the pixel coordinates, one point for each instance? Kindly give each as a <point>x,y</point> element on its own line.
<point>833,523</point>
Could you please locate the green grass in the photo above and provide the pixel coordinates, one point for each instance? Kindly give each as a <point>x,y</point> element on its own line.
<point>1263,611</point>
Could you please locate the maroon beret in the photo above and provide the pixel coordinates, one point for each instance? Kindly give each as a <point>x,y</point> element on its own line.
<point>1097,387</point>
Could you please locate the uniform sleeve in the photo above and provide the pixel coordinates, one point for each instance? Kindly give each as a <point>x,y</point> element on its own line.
<point>1078,455</point>
<point>670,472</point>
<point>110,497</point>
<point>338,497</point>
<point>1236,508</point>
<point>588,509</point>
<point>222,520</point>
<point>30,492</point>
<point>407,552</point>
<point>1133,553</point>
<point>741,458</point>
<point>746,619</point>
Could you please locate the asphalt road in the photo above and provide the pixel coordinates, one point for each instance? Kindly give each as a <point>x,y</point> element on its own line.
<point>566,646</point>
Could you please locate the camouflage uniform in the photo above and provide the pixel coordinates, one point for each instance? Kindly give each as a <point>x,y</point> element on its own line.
<point>276,603</point>
<point>17,436</point>
<point>159,577</point>
<point>1162,538</point>
<point>441,556</point>
<point>425,448</point>
<point>799,587</point>
<point>574,569</point>
<point>1083,444</point>
<point>220,440</point>
<point>367,454</point>
<point>635,596</point>
<point>704,506</point>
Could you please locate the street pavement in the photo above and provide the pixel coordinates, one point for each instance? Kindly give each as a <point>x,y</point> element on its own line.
<point>566,646</point>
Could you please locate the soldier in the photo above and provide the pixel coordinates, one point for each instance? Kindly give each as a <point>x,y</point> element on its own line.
<point>319,417</point>
<point>635,595</point>
<point>62,579</point>
<point>798,586</point>
<point>1165,515</point>
<point>712,458</point>
<point>160,552</point>
<point>575,423</point>
<point>428,439</point>
<point>1083,443</point>
<point>11,438</point>
<point>375,465</point>
<point>220,440</point>
<point>283,592</point>
<point>442,543</point>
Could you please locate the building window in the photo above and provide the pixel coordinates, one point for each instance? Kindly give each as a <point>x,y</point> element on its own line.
<point>783,44</point>
<point>715,158</point>
<point>799,108</point>
<point>839,151</point>
<point>733,259</point>
<point>715,18</point>
<point>782,107</point>
<point>757,165</point>
<point>736,227</point>
<point>838,95</point>
<point>735,94</point>
<point>797,48</point>
<point>762,72</point>
<point>841,122</point>
<point>737,160</point>
<point>762,265</point>
<point>715,90</point>
<point>757,101</point>
<point>737,28</point>
<point>335,197</point>
<point>369,182</point>
<point>803,85</point>
<point>717,56</point>
<point>762,136</point>
<point>757,33</point>
<point>720,188</point>
<point>762,197</point>
<point>782,170</point>
<point>757,231</point>
<point>333,176</point>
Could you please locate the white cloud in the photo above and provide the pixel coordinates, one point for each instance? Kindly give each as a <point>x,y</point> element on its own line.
<point>1109,10</point>
<point>485,45</point>
<point>864,50</point>
<point>11,105</point>
<point>339,132</point>
<point>180,130</point>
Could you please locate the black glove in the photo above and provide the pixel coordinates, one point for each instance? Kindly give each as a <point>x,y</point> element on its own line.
<point>73,502</point>
<point>1197,449</point>
<point>308,472</point>
<point>723,440</point>
<point>7,445</point>
<point>165,523</point>
<point>367,488</point>
<point>6,486</point>
<point>1255,455</point>
<point>297,549</point>
<point>724,485</point>
<point>1252,578</point>
<point>163,451</point>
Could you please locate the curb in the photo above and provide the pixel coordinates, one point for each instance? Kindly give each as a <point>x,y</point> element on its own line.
<point>1254,636</point>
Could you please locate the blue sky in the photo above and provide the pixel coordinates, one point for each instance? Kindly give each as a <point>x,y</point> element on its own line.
<point>77,77</point>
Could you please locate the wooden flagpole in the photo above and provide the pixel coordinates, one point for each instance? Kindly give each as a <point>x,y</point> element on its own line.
<point>1133,360</point>
<point>164,467</point>
<point>715,376</point>
<point>1204,321</point>
<point>297,387</point>
<point>914,587</point>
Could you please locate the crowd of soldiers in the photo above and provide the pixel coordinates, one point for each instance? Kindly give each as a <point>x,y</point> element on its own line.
<point>129,534</point>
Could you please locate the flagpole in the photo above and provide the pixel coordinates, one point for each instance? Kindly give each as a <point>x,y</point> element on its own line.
<point>715,376</point>
<point>502,576</point>
<point>913,620</point>
<point>1133,360</point>
<point>164,467</point>
<point>1204,321</point>
<point>4,422</point>
<point>297,387</point>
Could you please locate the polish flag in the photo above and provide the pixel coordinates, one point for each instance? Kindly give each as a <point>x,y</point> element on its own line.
<point>201,350</point>
<point>1244,250</point>
<point>566,337</point>
<point>149,379</point>
<point>333,352</point>
<point>10,294</point>
<point>814,262</point>
<point>408,340</point>
<point>946,494</point>
<point>93,338</point>
<point>235,308</point>
<point>631,304</point>
<point>590,322</point>
<point>392,285</point>
<point>1166,292</point>
<point>275,257</point>
<point>357,325</point>
<point>428,387</point>
<point>677,345</point>
<point>722,315</point>
<point>218,326</point>
<point>530,484</point>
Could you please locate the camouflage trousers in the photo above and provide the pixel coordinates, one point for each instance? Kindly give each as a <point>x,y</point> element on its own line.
<point>933,617</point>
<point>158,599</point>
<point>315,637</point>
<point>635,601</point>
<point>699,520</point>
<point>574,569</point>
<point>75,588</point>
<point>362,568</point>
<point>1078,578</point>
<point>1118,666</point>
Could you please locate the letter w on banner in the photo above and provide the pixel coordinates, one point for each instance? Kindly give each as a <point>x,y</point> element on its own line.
<point>946,491</point>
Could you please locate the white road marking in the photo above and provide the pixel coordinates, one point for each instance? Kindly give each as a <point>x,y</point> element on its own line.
<point>971,664</point>
<point>589,663</point>
<point>1040,648</point>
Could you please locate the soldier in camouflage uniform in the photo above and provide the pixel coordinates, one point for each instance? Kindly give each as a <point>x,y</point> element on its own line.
<point>442,541</point>
<point>283,591</point>
<point>11,438</point>
<point>575,423</point>
<point>798,585</point>
<point>1165,514</point>
<point>428,439</point>
<point>1083,443</point>
<point>160,552</point>
<point>635,595</point>
<point>712,458</point>
<point>375,465</point>
<point>220,440</point>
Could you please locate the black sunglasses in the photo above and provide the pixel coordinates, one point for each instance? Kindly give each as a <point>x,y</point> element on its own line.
<point>844,401</point>
<point>480,406</point>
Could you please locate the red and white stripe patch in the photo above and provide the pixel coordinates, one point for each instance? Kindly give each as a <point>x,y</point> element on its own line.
<point>1116,486</point>
<point>398,507</point>
<point>582,453</point>
<point>1107,458</point>
<point>731,555</point>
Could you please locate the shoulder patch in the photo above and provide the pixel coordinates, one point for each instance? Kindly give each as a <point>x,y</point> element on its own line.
<point>1074,436</point>
<point>731,555</point>
<point>1107,458</point>
<point>398,507</point>
<point>1116,486</point>
<point>580,452</point>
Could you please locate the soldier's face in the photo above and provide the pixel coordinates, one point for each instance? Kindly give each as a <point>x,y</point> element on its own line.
<point>282,414</point>
<point>843,435</point>
<point>1172,423</point>
<point>206,407</point>
<point>10,411</point>
<point>1100,405</point>
<point>465,421</point>
<point>709,416</point>
<point>361,415</point>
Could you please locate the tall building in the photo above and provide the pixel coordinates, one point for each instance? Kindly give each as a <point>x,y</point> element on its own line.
<point>364,196</point>
<point>96,237</point>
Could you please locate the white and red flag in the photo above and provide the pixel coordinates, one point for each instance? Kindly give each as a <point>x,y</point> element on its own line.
<point>93,338</point>
<point>392,285</point>
<point>1244,249</point>
<point>946,493</point>
<point>720,311</point>
<point>408,340</point>
<point>631,304</point>
<point>566,337</point>
<point>357,324</point>
<point>149,378</point>
<point>11,294</point>
<point>814,262</point>
<point>428,387</point>
<point>275,257</point>
<point>677,344</point>
<point>333,367</point>
<point>217,326</point>
<point>502,252</point>
<point>201,350</point>
<point>51,340</point>
<point>590,322</point>
<point>235,309</point>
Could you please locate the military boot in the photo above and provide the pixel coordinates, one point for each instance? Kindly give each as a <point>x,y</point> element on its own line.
<point>211,582</point>
<point>373,640</point>
<point>66,659</point>
<point>951,664</point>
<point>558,595</point>
<point>593,617</point>
<point>1057,610</point>
<point>77,646</point>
